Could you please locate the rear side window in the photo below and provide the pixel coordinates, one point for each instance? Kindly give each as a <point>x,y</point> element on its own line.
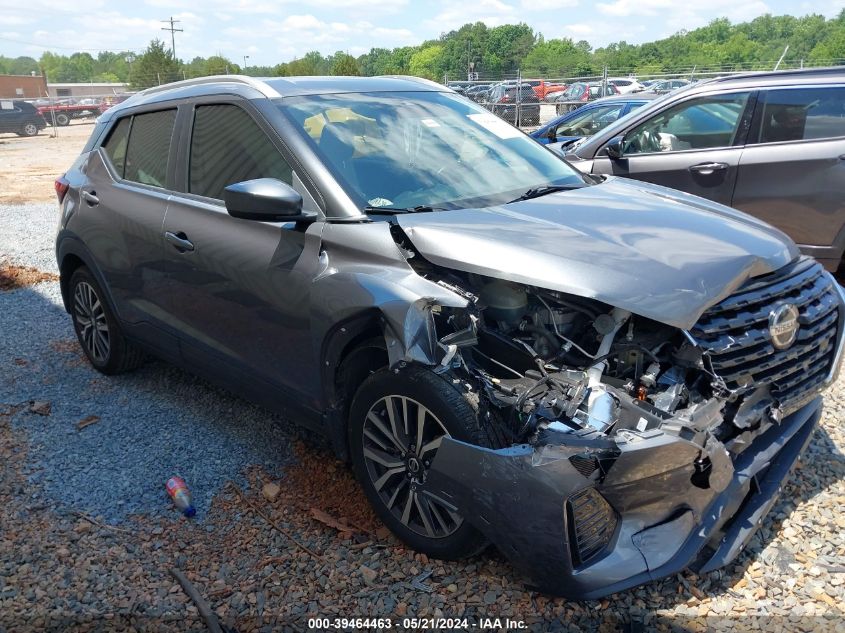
<point>802,114</point>
<point>227,146</point>
<point>149,148</point>
<point>115,146</point>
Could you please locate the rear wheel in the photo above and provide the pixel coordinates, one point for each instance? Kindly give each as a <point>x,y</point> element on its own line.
<point>97,328</point>
<point>397,422</point>
<point>62,119</point>
<point>29,129</point>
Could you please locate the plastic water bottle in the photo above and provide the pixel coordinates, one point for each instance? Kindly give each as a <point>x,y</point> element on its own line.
<point>178,491</point>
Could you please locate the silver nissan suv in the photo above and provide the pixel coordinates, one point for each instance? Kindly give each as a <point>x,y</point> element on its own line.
<point>606,379</point>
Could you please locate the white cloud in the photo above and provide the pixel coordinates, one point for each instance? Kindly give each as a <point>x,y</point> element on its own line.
<point>491,12</point>
<point>547,5</point>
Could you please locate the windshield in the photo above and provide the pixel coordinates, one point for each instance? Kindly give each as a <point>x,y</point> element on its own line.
<point>430,149</point>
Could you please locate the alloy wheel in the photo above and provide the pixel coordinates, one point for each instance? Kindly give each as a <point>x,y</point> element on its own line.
<point>91,320</point>
<point>30,130</point>
<point>400,438</point>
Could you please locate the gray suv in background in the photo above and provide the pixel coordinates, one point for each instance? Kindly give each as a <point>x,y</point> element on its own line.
<point>608,380</point>
<point>769,144</point>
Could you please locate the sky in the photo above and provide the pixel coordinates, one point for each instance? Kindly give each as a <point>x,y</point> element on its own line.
<point>273,31</point>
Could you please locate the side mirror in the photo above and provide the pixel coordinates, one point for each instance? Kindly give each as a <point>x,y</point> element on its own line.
<point>265,200</point>
<point>614,147</point>
<point>551,135</point>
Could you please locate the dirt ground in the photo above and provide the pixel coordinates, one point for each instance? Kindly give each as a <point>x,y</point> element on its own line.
<point>28,166</point>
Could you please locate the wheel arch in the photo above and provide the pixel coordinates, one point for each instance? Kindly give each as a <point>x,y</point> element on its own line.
<point>351,349</point>
<point>70,255</point>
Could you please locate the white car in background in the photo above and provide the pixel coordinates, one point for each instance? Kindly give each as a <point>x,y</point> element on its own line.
<point>626,85</point>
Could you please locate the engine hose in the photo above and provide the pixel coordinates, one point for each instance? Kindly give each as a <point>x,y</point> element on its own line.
<point>539,331</point>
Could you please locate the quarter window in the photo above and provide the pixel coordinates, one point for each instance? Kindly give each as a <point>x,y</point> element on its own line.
<point>227,146</point>
<point>115,146</point>
<point>149,148</point>
<point>802,114</point>
<point>703,123</point>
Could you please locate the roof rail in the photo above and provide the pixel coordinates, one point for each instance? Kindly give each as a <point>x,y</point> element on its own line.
<point>419,80</point>
<point>829,70</point>
<point>261,86</point>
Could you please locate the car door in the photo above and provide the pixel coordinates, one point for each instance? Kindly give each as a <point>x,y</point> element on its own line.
<point>124,198</point>
<point>792,172</point>
<point>238,289</point>
<point>8,116</point>
<point>694,146</point>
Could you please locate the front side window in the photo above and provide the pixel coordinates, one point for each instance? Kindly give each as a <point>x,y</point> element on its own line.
<point>227,147</point>
<point>115,146</point>
<point>405,149</point>
<point>703,123</point>
<point>589,122</point>
<point>149,148</point>
<point>802,114</point>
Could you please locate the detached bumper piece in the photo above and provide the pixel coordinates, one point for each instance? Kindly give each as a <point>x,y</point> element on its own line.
<point>661,504</point>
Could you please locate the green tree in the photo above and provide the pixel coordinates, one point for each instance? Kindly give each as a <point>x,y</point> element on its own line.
<point>343,64</point>
<point>154,66</point>
<point>427,62</point>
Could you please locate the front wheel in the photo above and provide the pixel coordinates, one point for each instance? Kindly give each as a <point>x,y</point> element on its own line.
<point>397,422</point>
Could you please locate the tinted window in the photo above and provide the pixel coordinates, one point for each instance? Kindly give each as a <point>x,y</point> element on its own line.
<point>702,123</point>
<point>149,148</point>
<point>115,146</point>
<point>590,121</point>
<point>227,146</point>
<point>803,114</point>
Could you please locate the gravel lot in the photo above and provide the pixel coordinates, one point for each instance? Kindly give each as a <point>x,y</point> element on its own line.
<point>88,537</point>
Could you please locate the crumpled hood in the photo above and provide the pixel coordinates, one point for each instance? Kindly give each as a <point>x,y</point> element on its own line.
<point>656,252</point>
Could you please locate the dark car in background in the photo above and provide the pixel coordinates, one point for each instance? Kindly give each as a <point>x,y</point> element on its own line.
<point>770,144</point>
<point>668,85</point>
<point>478,92</point>
<point>589,119</point>
<point>515,103</point>
<point>579,93</point>
<point>608,380</point>
<point>20,117</point>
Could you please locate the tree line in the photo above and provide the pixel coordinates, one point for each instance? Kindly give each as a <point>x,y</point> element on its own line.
<point>489,51</point>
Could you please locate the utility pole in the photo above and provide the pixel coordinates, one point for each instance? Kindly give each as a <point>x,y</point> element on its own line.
<point>173,32</point>
<point>246,57</point>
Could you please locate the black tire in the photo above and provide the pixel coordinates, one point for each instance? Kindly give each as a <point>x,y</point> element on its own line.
<point>29,129</point>
<point>62,119</point>
<point>117,355</point>
<point>451,536</point>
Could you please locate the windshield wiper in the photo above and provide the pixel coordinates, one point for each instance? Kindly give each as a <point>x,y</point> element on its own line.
<point>536,192</point>
<point>422,208</point>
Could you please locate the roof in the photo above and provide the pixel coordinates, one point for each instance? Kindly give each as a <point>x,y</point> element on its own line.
<point>806,75</point>
<point>274,88</point>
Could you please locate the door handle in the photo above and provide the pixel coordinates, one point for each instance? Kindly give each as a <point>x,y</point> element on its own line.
<point>90,197</point>
<point>179,241</point>
<point>705,169</point>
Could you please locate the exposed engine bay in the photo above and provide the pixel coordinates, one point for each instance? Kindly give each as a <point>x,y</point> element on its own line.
<point>553,363</point>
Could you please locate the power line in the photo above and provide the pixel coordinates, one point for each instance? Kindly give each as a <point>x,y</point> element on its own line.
<point>173,32</point>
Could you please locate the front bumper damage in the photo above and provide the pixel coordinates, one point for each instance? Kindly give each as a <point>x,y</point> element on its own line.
<point>678,502</point>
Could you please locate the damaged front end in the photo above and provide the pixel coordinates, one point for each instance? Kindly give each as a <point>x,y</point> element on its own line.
<point>621,449</point>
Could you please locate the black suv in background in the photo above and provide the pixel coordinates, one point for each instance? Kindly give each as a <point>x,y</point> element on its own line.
<point>770,144</point>
<point>20,118</point>
<point>508,99</point>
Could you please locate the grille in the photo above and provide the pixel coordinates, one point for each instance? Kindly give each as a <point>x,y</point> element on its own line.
<point>735,332</point>
<point>592,523</point>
